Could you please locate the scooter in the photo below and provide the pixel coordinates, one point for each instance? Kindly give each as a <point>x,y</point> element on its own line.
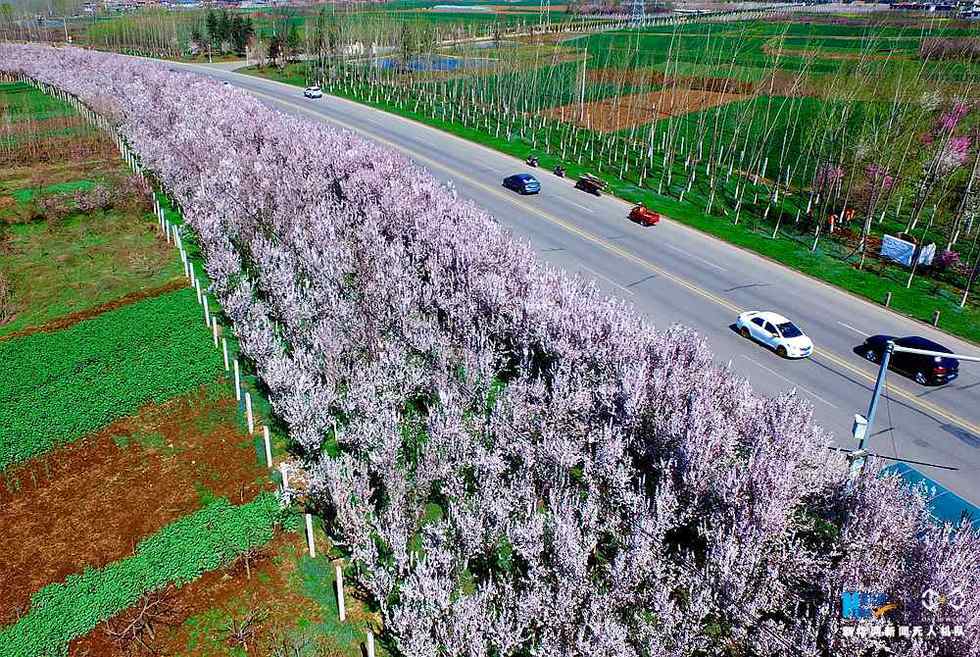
<point>532,161</point>
<point>560,171</point>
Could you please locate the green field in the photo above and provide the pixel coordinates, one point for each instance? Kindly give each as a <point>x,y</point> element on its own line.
<point>21,102</point>
<point>60,386</point>
<point>126,461</point>
<point>755,49</point>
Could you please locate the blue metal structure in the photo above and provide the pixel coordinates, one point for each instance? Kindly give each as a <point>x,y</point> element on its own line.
<point>945,505</point>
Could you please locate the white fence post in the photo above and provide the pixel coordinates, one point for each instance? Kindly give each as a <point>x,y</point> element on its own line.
<point>207,312</point>
<point>224,351</point>
<point>370,643</point>
<point>238,382</point>
<point>340,593</point>
<point>214,331</point>
<point>268,446</point>
<point>285,477</point>
<point>309,535</point>
<point>248,413</point>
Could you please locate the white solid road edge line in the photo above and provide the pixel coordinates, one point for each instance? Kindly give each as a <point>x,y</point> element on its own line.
<point>789,381</point>
<point>858,331</point>
<point>607,279</point>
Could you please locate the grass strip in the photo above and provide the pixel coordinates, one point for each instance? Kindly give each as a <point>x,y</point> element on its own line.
<point>59,386</point>
<point>178,554</point>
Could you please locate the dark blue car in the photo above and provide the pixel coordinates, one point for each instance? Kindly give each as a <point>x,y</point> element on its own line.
<point>522,183</point>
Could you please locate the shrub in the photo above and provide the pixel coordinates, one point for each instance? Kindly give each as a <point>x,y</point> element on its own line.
<point>7,307</point>
<point>90,200</point>
<point>947,260</point>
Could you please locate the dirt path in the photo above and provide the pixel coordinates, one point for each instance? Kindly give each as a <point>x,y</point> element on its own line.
<point>91,502</point>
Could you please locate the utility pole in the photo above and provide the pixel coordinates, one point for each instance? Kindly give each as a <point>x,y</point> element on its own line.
<point>863,425</point>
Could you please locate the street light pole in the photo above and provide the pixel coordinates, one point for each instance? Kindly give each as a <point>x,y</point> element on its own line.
<point>861,425</point>
<point>862,428</point>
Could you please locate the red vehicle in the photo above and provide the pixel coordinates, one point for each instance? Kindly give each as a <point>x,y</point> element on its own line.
<point>644,216</point>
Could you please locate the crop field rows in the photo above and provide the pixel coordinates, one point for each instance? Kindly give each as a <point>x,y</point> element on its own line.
<point>138,511</point>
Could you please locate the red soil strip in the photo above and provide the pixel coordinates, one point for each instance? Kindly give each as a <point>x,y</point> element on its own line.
<point>652,77</point>
<point>34,174</point>
<point>617,113</point>
<point>777,83</point>
<point>632,77</point>
<point>70,319</point>
<point>91,502</point>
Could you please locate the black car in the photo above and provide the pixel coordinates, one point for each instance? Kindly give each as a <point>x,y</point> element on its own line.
<point>523,183</point>
<point>927,370</point>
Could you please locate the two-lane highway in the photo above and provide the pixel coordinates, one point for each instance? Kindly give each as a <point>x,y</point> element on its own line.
<point>674,274</point>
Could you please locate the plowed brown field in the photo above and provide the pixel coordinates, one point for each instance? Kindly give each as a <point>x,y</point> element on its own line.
<point>617,113</point>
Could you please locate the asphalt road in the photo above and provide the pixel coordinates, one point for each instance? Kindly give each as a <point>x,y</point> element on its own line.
<point>674,274</point>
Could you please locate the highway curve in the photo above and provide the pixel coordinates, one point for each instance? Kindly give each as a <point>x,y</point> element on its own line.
<point>674,274</point>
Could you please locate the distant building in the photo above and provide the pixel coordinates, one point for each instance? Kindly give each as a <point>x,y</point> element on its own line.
<point>970,10</point>
<point>182,4</point>
<point>925,6</point>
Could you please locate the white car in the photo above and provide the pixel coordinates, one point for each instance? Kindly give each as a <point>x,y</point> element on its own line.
<point>776,332</point>
<point>313,92</point>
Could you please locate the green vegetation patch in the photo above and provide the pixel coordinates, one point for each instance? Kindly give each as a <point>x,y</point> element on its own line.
<point>22,102</point>
<point>178,554</point>
<point>749,51</point>
<point>60,386</point>
<point>777,122</point>
<point>82,261</point>
<point>317,580</point>
<point>24,195</point>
